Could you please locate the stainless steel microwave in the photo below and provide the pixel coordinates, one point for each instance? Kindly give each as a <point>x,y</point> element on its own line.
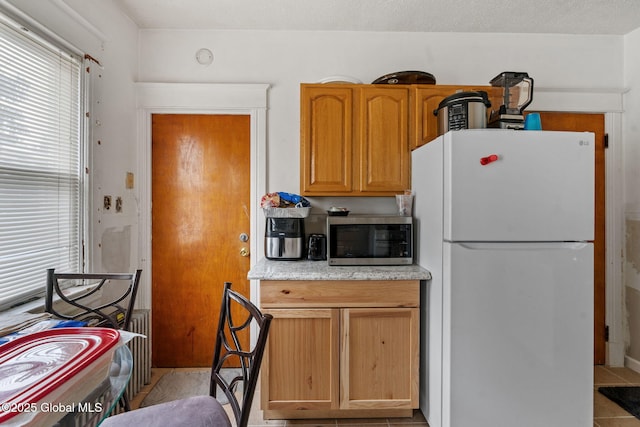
<point>369,240</point>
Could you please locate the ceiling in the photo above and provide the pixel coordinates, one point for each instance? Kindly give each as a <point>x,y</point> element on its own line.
<point>614,17</point>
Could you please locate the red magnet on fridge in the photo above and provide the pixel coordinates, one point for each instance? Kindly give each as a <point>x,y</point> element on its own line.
<point>489,159</point>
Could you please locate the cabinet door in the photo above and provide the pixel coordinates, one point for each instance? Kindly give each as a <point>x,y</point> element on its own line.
<point>300,366</point>
<point>326,136</point>
<point>384,154</point>
<point>427,99</point>
<point>379,358</point>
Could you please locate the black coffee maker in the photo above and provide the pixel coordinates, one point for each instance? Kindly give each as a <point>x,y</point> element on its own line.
<point>317,247</point>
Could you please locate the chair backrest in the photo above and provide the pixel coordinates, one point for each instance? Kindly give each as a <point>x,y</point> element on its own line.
<point>99,304</point>
<point>231,329</point>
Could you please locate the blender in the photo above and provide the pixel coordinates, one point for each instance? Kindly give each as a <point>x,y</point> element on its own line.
<point>517,94</point>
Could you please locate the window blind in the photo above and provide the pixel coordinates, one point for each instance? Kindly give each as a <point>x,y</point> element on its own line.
<point>40,163</point>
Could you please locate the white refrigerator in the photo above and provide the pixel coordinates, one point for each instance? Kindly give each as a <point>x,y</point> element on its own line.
<point>505,224</point>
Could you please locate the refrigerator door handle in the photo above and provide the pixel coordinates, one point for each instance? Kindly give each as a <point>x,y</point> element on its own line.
<point>510,246</point>
<point>489,159</point>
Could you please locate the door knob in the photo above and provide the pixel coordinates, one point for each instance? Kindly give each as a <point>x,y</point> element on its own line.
<point>244,252</point>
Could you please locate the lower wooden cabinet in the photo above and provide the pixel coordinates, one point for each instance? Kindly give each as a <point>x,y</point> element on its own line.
<point>379,358</point>
<point>300,369</point>
<point>336,353</point>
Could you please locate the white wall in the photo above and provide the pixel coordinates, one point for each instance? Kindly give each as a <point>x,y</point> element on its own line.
<point>631,124</point>
<point>285,59</point>
<point>114,125</point>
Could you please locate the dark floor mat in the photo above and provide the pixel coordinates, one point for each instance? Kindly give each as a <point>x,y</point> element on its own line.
<point>627,397</point>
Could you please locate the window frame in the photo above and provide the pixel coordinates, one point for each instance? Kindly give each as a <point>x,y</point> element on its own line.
<point>80,219</point>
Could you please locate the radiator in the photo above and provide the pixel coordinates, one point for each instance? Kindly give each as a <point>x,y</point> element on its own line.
<point>140,349</point>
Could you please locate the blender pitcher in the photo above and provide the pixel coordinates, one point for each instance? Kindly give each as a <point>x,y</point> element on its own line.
<point>517,94</point>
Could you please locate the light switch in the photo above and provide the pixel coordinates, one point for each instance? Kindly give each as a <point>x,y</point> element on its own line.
<point>129,181</point>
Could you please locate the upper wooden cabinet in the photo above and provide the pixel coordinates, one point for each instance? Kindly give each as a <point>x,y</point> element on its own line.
<point>354,140</point>
<point>426,98</point>
<point>327,139</point>
<point>384,154</point>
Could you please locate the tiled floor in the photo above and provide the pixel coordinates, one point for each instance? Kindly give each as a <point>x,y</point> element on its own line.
<point>606,413</point>
<point>257,420</point>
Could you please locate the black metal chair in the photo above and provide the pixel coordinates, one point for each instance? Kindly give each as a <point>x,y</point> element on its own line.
<point>206,410</point>
<point>100,305</point>
<point>107,301</point>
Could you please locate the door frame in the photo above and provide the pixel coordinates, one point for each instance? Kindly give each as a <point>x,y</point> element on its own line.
<point>198,98</point>
<point>610,103</point>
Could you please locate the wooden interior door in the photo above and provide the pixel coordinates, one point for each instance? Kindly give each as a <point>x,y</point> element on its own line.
<point>592,123</point>
<point>200,207</point>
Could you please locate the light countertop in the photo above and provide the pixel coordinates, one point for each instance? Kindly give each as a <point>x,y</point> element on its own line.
<point>320,270</point>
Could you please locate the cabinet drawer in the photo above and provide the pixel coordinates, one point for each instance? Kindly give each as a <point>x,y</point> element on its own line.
<point>337,294</point>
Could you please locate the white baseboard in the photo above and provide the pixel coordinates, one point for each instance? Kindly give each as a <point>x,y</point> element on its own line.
<point>616,354</point>
<point>632,364</point>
